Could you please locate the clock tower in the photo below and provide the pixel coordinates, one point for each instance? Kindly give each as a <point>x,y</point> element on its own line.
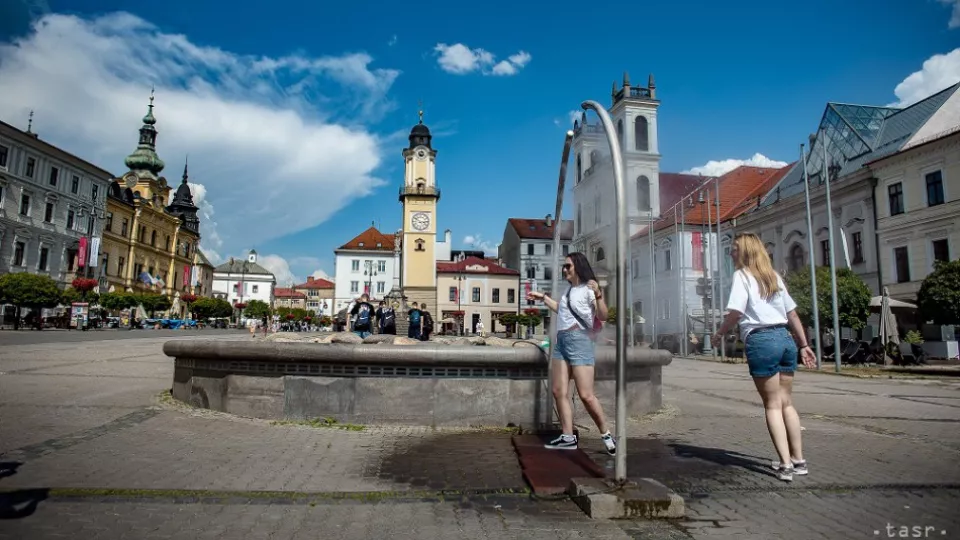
<point>419,196</point>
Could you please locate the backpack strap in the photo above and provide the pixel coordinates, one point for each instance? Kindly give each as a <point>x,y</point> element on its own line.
<point>577,316</point>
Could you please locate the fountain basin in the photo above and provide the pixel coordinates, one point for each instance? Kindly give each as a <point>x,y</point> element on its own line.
<point>430,383</point>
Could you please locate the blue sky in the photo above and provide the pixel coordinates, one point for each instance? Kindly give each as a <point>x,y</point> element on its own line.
<point>735,79</point>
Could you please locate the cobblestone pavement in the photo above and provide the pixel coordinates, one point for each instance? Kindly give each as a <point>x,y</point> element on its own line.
<point>90,452</point>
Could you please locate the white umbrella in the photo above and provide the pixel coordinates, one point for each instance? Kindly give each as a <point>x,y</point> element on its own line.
<point>888,321</point>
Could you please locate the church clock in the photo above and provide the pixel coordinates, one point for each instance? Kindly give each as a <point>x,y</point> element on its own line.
<point>420,221</point>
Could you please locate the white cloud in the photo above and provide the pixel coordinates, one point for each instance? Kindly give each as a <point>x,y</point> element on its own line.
<point>280,268</point>
<point>717,168</point>
<point>476,241</point>
<point>393,41</point>
<point>571,117</point>
<point>955,14</point>
<point>320,274</point>
<point>938,73</point>
<point>277,142</point>
<point>460,59</point>
<point>210,241</point>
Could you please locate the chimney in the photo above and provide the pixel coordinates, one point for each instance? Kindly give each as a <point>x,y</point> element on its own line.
<point>309,279</point>
<point>548,220</point>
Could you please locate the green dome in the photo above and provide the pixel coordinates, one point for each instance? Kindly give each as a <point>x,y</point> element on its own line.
<point>145,157</point>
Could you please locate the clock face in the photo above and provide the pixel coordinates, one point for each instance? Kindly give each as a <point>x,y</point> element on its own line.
<point>130,180</point>
<point>420,221</point>
<point>421,154</point>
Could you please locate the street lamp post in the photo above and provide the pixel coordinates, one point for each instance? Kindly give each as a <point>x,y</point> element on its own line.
<point>370,272</point>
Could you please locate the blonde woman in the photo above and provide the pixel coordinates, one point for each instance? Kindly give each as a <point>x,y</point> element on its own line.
<point>760,303</point>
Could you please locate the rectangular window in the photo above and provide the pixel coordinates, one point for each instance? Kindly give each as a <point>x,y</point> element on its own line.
<point>71,216</point>
<point>566,250</point>
<point>902,261</point>
<point>4,152</point>
<point>95,193</point>
<point>166,243</point>
<point>895,194</point>
<point>635,268</point>
<point>934,188</point>
<point>90,222</point>
<point>531,272</point>
<point>857,247</point>
<point>476,294</point>
<point>381,266</point>
<point>355,265</point>
<point>667,263</point>
<point>31,167</point>
<point>48,213</point>
<point>547,248</point>
<point>496,296</point>
<point>453,294</point>
<point>105,264</point>
<point>54,174</point>
<point>941,250</point>
<point>44,255</point>
<point>511,296</point>
<point>547,273</point>
<point>123,227</point>
<point>825,253</point>
<point>529,249</point>
<point>18,250</point>
<point>355,286</point>
<point>120,262</point>
<point>71,259</point>
<point>24,205</point>
<point>75,185</point>
<point>110,221</point>
<point>256,289</point>
<point>381,287</point>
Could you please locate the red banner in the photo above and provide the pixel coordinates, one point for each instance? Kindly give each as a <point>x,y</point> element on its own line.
<point>697,245</point>
<point>186,276</point>
<point>82,255</point>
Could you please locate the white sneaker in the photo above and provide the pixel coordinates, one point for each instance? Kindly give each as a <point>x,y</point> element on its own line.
<point>609,443</point>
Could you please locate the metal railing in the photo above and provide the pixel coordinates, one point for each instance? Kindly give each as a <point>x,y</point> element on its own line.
<point>419,190</point>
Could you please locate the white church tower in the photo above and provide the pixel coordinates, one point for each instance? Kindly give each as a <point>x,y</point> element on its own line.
<point>634,112</point>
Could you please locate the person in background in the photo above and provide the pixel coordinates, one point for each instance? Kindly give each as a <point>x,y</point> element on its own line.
<point>387,319</point>
<point>362,315</point>
<point>480,327</point>
<point>574,355</point>
<point>760,303</point>
<point>415,316</point>
<point>426,325</point>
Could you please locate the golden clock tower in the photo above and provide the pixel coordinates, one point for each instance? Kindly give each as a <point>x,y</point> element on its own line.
<point>419,196</point>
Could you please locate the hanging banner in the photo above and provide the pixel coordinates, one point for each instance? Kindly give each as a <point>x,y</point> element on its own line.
<point>186,276</point>
<point>94,251</point>
<point>82,254</point>
<point>697,244</point>
<point>195,276</point>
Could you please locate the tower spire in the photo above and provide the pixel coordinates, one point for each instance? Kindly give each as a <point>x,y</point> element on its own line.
<point>30,123</point>
<point>185,161</point>
<point>420,109</point>
<point>144,159</point>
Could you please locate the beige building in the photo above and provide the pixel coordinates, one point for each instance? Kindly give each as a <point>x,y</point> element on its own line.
<point>318,295</point>
<point>203,284</point>
<point>474,289</point>
<point>289,298</point>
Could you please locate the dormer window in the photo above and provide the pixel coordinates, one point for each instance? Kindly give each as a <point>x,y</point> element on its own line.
<point>361,244</point>
<point>379,244</point>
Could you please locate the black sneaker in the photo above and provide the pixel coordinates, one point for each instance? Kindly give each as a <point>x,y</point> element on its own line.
<point>563,442</point>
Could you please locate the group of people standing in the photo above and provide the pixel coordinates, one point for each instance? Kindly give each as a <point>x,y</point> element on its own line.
<point>365,318</point>
<point>759,303</point>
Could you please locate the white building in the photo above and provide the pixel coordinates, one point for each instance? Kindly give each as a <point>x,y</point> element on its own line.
<point>367,263</point>
<point>634,111</point>
<point>49,200</point>
<point>240,281</point>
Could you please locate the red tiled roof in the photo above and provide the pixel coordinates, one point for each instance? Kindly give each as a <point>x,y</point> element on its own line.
<point>739,188</point>
<point>464,267</point>
<point>281,292</point>
<point>368,240</point>
<point>315,283</point>
<point>537,229</point>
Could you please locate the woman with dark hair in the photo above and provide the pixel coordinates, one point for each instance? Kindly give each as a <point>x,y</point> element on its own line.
<point>573,354</point>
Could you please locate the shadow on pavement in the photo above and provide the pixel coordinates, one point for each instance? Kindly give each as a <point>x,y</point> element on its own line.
<point>21,503</point>
<point>9,468</point>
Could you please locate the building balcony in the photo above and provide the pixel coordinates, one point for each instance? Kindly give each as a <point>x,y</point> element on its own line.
<point>431,191</point>
<point>635,92</point>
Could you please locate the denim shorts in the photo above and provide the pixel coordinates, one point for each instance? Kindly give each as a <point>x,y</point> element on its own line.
<point>574,347</point>
<point>771,351</point>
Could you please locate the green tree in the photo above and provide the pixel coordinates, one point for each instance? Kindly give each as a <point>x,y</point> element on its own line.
<point>26,290</point>
<point>939,295</point>
<point>118,301</point>
<point>153,303</point>
<point>256,309</point>
<point>612,315</point>
<point>853,298</point>
<point>205,308</point>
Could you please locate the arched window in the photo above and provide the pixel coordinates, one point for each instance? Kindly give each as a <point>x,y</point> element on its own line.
<point>594,158</point>
<point>797,259</point>
<point>620,131</point>
<point>600,254</point>
<point>643,193</point>
<point>153,238</point>
<point>641,134</point>
<point>579,168</point>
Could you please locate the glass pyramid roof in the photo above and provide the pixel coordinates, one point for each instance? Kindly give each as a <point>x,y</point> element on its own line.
<point>865,120</point>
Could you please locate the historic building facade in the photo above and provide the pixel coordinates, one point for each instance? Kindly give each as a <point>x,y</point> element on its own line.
<point>472,290</point>
<point>365,264</point>
<point>49,204</point>
<point>318,295</point>
<point>240,281</point>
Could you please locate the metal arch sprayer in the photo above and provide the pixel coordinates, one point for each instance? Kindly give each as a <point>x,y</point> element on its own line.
<point>621,277</point>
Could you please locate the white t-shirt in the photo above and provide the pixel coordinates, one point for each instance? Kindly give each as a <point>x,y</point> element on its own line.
<point>583,301</point>
<point>758,312</point>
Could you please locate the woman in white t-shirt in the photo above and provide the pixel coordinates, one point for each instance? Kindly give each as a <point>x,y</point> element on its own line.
<point>573,353</point>
<point>760,303</point>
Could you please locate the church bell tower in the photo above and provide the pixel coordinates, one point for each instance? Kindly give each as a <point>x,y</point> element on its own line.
<point>419,196</point>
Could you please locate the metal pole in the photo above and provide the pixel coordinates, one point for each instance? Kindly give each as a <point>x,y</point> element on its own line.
<point>709,259</point>
<point>707,345</point>
<point>555,283</point>
<point>813,265</point>
<point>723,344</point>
<point>833,259</point>
<point>621,280</point>
<point>679,242</point>
<point>683,276</point>
<point>653,284</point>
